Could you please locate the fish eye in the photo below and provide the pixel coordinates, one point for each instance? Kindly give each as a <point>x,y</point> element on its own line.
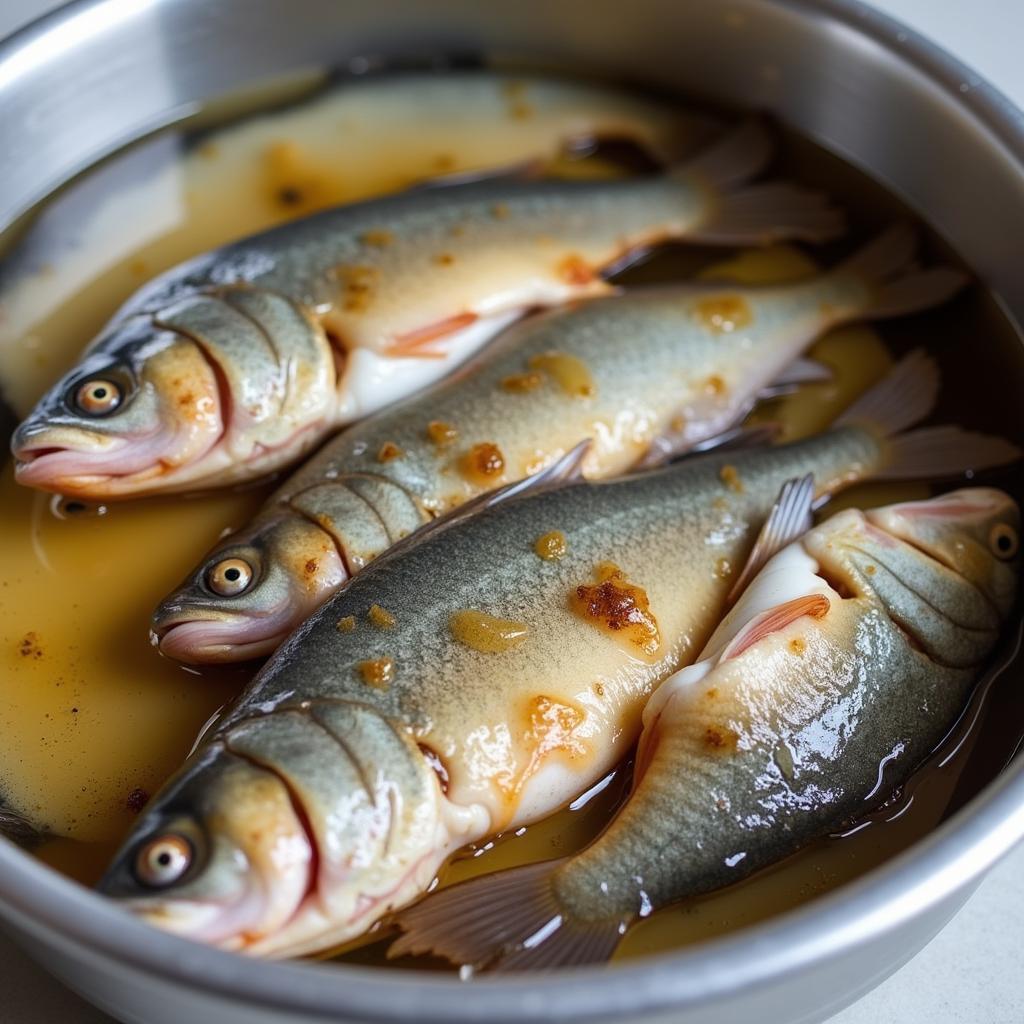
<point>162,861</point>
<point>1003,540</point>
<point>97,397</point>
<point>229,577</point>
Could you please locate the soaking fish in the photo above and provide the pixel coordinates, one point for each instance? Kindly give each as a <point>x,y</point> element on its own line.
<point>472,681</point>
<point>645,375</point>
<point>844,663</point>
<point>237,362</point>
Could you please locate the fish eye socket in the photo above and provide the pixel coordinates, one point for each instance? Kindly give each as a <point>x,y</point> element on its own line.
<point>162,861</point>
<point>97,397</point>
<point>229,577</point>
<point>1003,540</point>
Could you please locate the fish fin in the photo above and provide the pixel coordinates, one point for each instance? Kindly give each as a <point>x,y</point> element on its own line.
<point>814,605</point>
<point>417,343</point>
<point>672,445</point>
<point>902,398</point>
<point>799,372</point>
<point>897,286</point>
<point>521,170</point>
<point>944,452</point>
<point>506,921</point>
<point>772,212</point>
<point>738,156</point>
<point>790,518</point>
<point>566,470</point>
<point>18,828</point>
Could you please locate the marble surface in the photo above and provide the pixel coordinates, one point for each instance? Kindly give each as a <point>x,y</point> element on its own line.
<point>971,973</point>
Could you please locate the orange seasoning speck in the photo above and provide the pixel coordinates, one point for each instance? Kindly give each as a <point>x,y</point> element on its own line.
<point>389,451</point>
<point>441,433</point>
<point>618,607</point>
<point>552,546</point>
<point>378,237</point>
<point>797,645</point>
<point>377,673</point>
<point>574,269</point>
<point>444,259</point>
<point>483,463</point>
<point>723,568</point>
<point>714,385</point>
<point>486,633</point>
<point>569,372</point>
<point>346,624</point>
<point>724,314</point>
<point>721,738</point>
<point>500,211</point>
<point>729,476</point>
<point>381,618</point>
<point>520,383</point>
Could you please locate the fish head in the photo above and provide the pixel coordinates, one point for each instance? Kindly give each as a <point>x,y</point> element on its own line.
<point>974,531</point>
<point>944,571</point>
<point>143,403</point>
<point>220,856</point>
<point>249,593</point>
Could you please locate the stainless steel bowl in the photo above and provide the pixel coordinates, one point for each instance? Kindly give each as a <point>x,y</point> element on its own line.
<point>97,75</point>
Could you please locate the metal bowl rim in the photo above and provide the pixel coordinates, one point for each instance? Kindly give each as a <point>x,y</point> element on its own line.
<point>951,858</point>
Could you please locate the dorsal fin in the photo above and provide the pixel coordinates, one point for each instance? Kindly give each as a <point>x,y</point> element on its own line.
<point>789,519</point>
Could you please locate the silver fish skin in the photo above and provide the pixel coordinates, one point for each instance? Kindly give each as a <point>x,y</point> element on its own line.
<point>490,687</point>
<point>644,375</point>
<point>851,654</point>
<point>236,363</point>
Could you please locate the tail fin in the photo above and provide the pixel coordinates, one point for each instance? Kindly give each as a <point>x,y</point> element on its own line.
<point>736,158</point>
<point>900,401</point>
<point>760,214</point>
<point>509,921</point>
<point>18,828</point>
<point>897,286</point>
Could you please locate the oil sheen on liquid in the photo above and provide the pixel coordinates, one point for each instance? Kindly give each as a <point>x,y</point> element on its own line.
<point>93,719</point>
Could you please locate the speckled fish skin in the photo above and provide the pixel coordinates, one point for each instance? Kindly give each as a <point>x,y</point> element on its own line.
<point>518,733</point>
<point>638,374</point>
<point>776,735</point>
<point>785,740</point>
<point>236,363</point>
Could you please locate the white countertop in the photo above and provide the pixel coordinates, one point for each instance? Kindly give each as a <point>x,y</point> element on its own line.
<point>971,973</point>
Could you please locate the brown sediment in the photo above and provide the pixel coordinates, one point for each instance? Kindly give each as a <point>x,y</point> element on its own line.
<point>551,546</point>
<point>30,646</point>
<point>486,633</point>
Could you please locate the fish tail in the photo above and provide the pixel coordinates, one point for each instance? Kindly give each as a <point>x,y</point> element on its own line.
<point>734,159</point>
<point>901,400</point>
<point>508,921</point>
<point>895,284</point>
<point>17,827</point>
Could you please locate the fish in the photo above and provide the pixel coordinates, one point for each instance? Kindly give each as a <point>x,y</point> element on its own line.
<point>646,375</point>
<point>465,684</point>
<point>236,363</point>
<point>844,664</point>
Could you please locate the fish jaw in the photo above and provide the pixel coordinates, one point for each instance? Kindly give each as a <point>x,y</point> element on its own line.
<point>168,422</point>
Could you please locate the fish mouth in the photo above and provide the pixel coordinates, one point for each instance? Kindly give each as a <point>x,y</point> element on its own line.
<point>218,641</point>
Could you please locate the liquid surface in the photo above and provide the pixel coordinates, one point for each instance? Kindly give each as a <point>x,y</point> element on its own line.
<point>94,719</point>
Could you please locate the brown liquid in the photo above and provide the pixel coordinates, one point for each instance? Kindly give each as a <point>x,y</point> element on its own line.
<point>94,719</point>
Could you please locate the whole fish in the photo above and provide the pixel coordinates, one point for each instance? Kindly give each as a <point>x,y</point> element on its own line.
<point>472,681</point>
<point>645,375</point>
<point>851,654</point>
<point>234,364</point>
